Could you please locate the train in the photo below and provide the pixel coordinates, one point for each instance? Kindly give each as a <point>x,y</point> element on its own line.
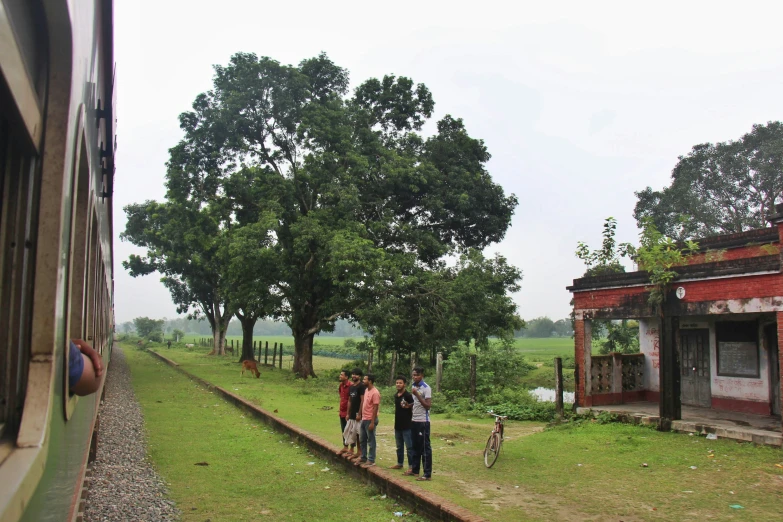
<point>57,164</point>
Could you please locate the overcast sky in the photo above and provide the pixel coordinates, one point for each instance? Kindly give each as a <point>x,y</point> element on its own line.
<point>580,104</point>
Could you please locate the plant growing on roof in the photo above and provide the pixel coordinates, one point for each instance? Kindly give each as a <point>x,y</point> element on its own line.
<point>658,254</point>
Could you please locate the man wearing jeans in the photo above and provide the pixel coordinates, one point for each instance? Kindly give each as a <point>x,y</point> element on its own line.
<point>370,404</point>
<point>403,411</point>
<point>420,426</point>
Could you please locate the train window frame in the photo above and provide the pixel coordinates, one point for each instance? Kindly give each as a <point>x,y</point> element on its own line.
<point>20,179</point>
<point>78,253</point>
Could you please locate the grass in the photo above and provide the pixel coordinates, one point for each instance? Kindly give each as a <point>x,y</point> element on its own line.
<point>585,471</point>
<point>252,473</point>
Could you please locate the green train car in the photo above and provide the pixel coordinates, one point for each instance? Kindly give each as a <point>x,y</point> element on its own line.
<point>57,162</point>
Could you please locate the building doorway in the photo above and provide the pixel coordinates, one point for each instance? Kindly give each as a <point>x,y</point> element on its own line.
<point>695,368</point>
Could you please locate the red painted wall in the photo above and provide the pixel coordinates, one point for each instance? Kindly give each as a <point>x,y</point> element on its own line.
<point>608,298</point>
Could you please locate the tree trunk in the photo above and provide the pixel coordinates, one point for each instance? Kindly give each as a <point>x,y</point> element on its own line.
<point>303,354</point>
<point>248,323</point>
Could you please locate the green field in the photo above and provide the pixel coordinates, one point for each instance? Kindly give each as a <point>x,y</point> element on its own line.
<point>540,352</point>
<point>586,471</point>
<point>535,349</point>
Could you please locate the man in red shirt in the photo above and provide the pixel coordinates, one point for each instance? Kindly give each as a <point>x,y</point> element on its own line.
<point>371,402</point>
<point>342,390</point>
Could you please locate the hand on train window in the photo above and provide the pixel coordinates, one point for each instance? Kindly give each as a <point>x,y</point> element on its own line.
<point>85,368</point>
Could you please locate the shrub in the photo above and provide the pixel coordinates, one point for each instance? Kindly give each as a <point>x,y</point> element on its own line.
<point>496,368</point>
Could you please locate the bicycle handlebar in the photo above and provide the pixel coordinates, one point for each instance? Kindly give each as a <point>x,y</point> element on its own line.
<point>498,416</point>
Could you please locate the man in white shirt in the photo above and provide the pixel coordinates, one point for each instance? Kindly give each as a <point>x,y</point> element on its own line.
<point>420,427</point>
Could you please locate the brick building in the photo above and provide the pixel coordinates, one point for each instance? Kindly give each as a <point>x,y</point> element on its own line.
<point>720,344</point>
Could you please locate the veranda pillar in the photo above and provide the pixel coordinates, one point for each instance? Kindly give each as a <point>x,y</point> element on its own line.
<point>582,360</point>
<point>670,407</point>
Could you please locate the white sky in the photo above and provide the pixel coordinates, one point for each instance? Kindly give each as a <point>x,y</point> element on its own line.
<point>580,103</point>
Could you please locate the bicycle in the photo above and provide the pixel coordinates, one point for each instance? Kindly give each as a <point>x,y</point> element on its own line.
<point>495,440</point>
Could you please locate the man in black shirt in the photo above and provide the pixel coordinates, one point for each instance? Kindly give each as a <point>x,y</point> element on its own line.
<point>354,418</point>
<point>403,413</point>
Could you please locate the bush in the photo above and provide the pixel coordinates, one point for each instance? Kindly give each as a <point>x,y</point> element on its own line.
<point>516,404</point>
<point>496,368</point>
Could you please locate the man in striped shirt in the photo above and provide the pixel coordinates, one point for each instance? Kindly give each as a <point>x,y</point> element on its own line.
<point>420,426</point>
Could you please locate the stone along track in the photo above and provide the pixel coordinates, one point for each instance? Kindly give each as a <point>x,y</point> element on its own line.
<point>123,486</point>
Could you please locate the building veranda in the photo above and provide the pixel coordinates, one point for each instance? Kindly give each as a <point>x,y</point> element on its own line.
<point>716,348</point>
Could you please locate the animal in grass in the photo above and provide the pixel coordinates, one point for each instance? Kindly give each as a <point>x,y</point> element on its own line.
<point>251,367</point>
<point>189,345</point>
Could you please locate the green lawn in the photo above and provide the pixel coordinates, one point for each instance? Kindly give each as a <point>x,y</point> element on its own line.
<point>589,472</point>
<point>252,472</point>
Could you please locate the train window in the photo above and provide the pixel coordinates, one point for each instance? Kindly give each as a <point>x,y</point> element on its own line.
<point>18,216</point>
<point>77,262</point>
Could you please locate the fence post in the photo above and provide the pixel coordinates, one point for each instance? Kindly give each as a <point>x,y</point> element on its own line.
<point>559,386</point>
<point>280,360</point>
<point>266,353</point>
<point>274,356</point>
<point>369,360</point>
<point>439,371</point>
<point>392,379</point>
<point>473,377</point>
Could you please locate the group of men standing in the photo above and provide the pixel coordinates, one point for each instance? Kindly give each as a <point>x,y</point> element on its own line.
<point>359,404</point>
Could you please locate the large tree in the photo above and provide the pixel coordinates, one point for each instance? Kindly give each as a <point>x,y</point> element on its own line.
<point>719,188</point>
<point>188,245</point>
<point>360,199</point>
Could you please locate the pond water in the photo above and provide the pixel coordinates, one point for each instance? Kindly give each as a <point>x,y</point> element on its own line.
<point>548,395</point>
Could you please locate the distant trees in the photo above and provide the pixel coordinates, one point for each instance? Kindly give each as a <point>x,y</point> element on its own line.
<point>147,328</point>
<point>719,188</point>
<point>546,327</point>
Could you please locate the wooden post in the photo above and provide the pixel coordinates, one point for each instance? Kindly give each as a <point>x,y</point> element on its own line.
<point>274,356</point>
<point>559,386</point>
<point>392,379</point>
<point>670,407</point>
<point>266,353</point>
<point>473,377</point>
<point>438,371</point>
<point>369,360</point>
<point>280,360</point>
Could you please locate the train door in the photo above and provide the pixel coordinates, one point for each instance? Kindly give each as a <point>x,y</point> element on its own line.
<point>695,368</point>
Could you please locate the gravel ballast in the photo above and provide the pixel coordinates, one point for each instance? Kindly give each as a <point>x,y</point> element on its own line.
<point>124,486</point>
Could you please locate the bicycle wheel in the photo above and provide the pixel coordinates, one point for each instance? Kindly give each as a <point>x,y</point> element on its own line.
<point>492,450</point>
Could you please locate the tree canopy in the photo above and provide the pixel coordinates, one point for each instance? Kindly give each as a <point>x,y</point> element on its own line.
<point>719,188</point>
<point>145,326</point>
<point>352,202</point>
